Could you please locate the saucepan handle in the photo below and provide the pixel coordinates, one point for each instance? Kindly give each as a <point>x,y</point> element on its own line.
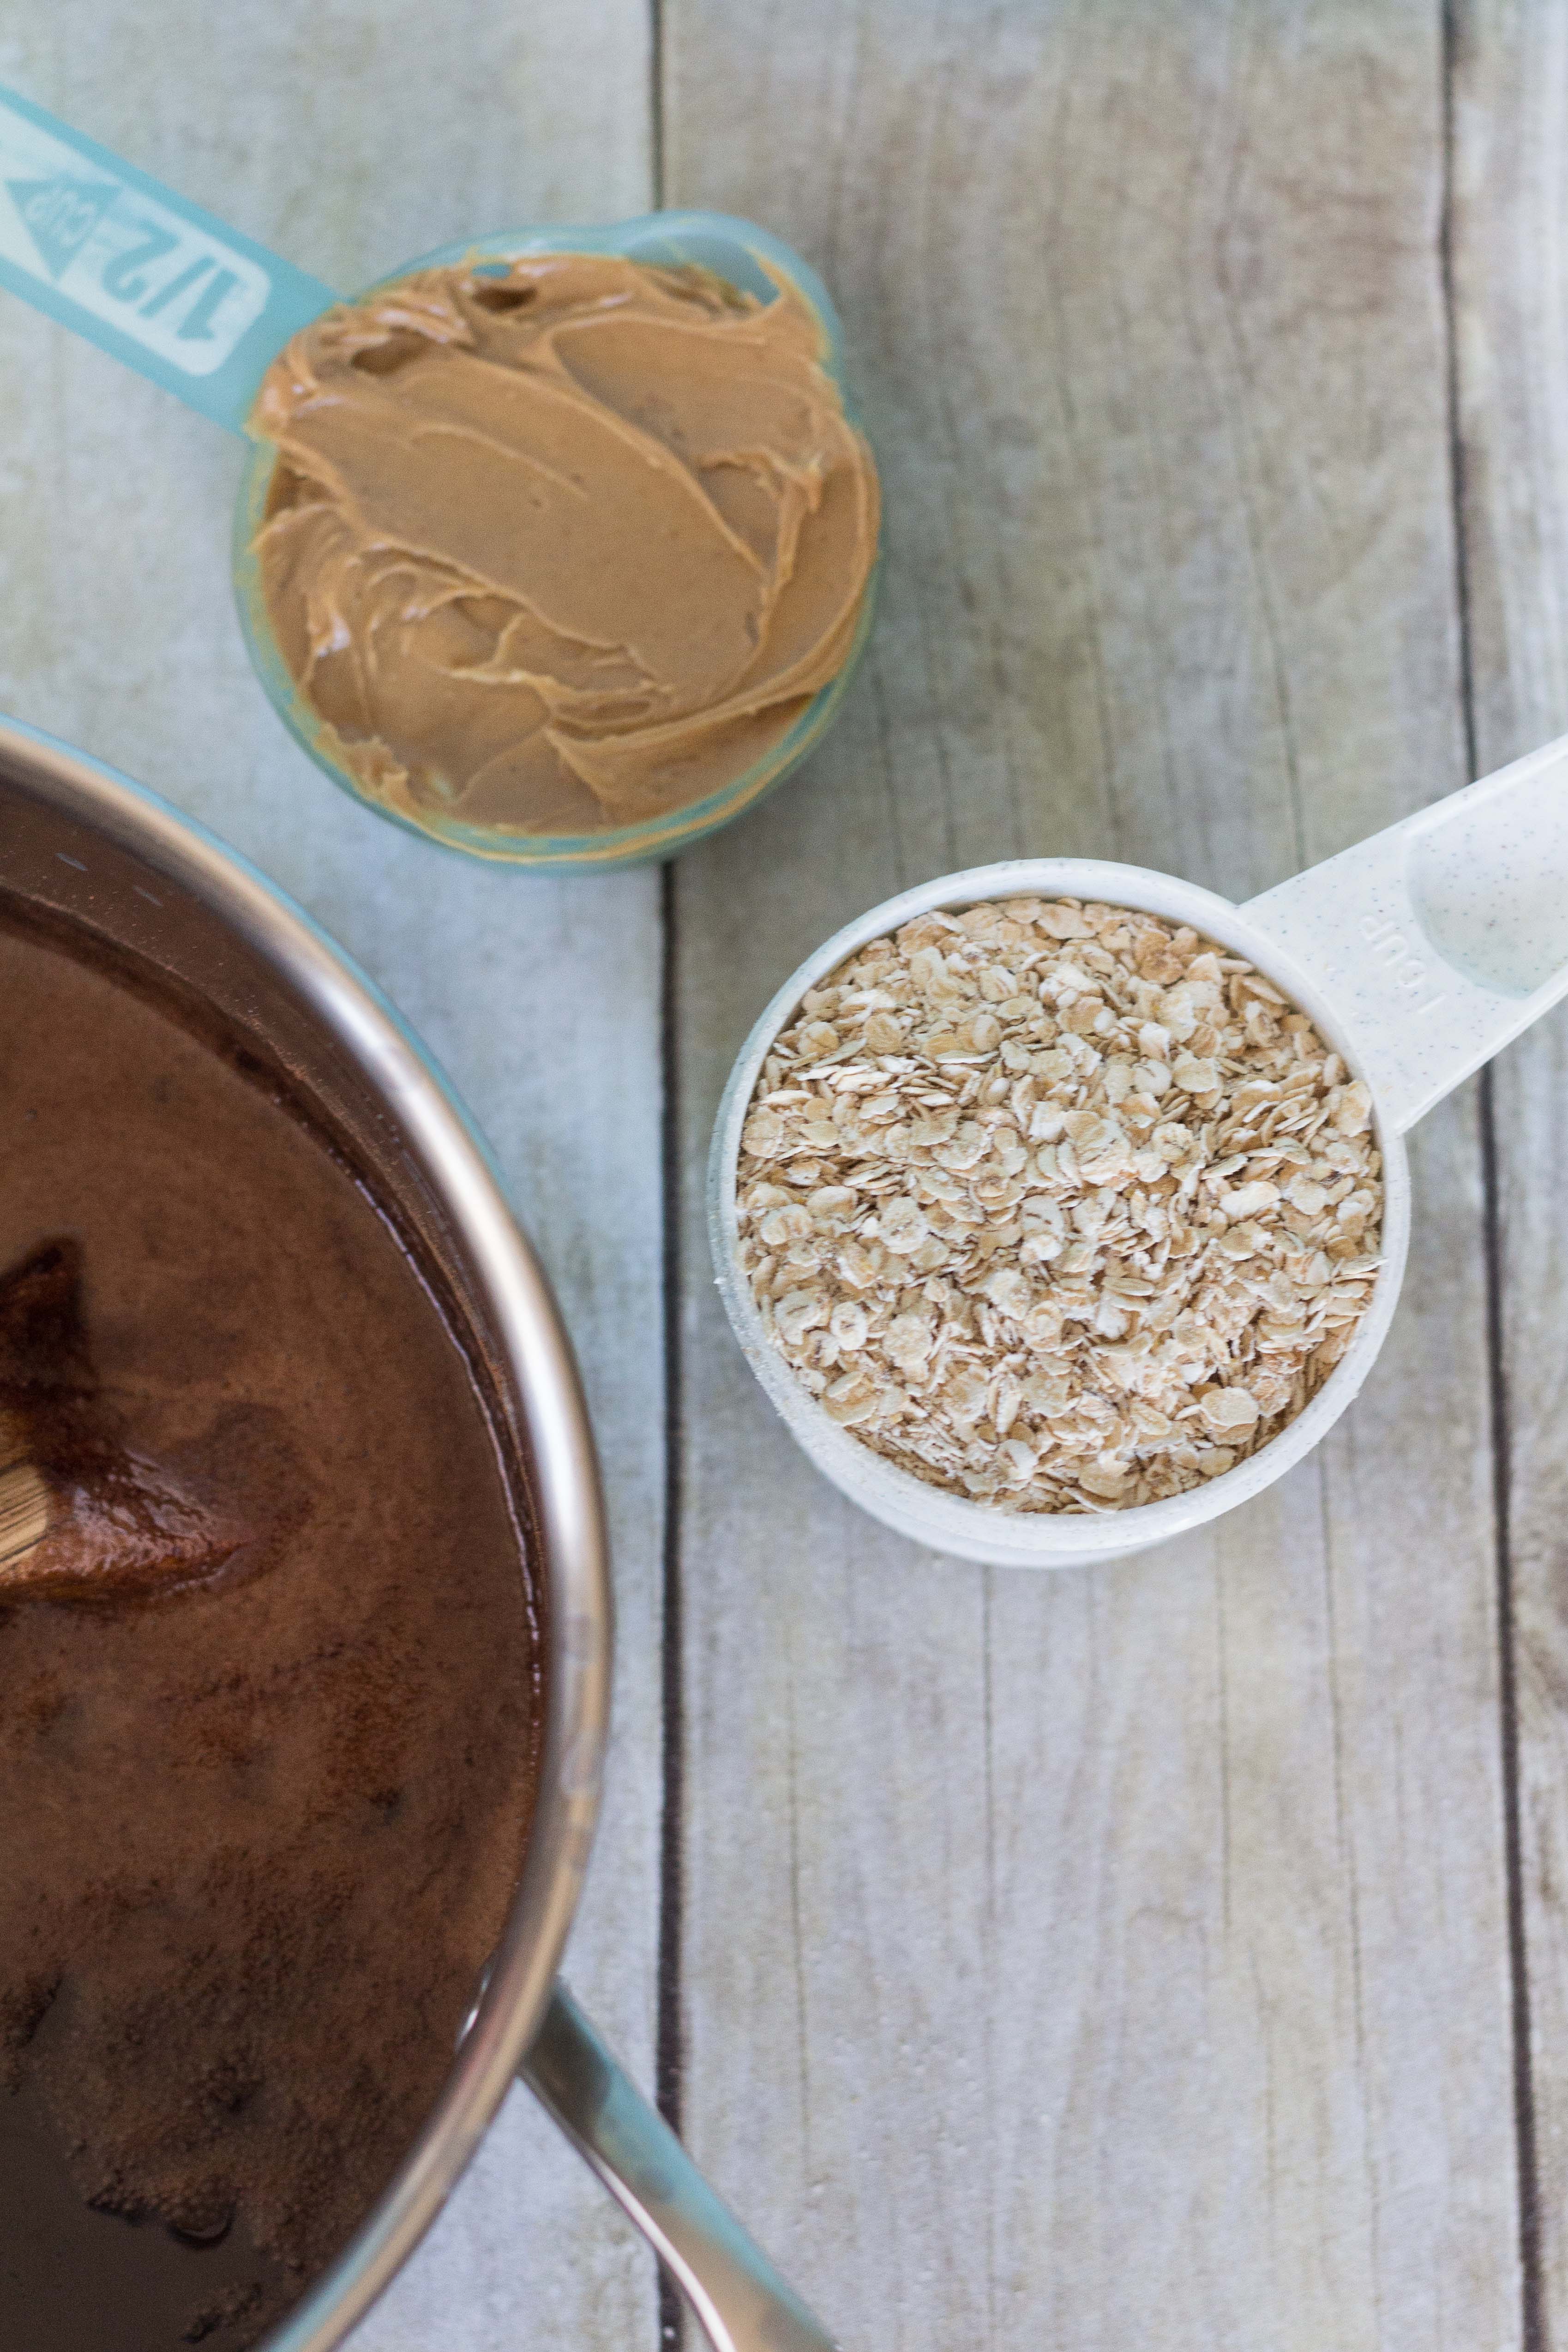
<point>734,2289</point>
<point>1443,937</point>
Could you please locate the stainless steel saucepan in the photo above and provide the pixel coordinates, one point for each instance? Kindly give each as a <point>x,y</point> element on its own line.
<point>79,839</point>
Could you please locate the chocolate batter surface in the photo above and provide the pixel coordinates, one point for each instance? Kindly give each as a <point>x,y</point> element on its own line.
<point>261,1817</point>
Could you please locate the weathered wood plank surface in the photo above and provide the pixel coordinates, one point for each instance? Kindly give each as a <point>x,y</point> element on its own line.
<point>350,138</point>
<point>1510,280</point>
<point>1119,1958</point>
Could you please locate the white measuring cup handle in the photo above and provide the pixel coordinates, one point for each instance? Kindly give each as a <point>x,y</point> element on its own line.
<point>146,276</point>
<point>1442,937</point>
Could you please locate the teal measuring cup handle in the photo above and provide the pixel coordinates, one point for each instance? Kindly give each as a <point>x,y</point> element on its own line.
<point>146,276</point>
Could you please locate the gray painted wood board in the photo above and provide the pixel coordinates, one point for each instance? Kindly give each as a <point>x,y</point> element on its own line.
<point>1510,287</point>
<point>1111,1958</point>
<point>332,134</point>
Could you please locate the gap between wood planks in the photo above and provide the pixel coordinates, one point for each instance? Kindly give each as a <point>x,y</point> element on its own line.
<point>669,2050</point>
<point>1532,2320</point>
<point>672,1887</point>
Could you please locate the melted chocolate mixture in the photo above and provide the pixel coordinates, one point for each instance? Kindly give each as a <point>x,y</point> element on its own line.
<point>269,1685</point>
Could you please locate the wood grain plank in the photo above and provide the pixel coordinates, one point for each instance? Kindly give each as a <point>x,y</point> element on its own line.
<point>1107,1959</point>
<point>352,136</point>
<point>1511,279</point>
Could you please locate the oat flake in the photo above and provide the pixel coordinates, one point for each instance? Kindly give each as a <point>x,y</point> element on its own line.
<point>1059,1207</point>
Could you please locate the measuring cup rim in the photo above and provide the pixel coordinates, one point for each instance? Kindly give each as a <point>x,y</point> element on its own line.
<point>640,236</point>
<point>946,1522</point>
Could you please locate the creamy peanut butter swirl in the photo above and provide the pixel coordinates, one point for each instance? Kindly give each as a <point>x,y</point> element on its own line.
<point>563,548</point>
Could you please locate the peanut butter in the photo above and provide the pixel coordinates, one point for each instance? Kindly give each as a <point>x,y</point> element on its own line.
<point>563,547</point>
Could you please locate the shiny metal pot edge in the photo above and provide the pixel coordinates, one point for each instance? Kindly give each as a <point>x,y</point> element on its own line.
<point>565,1491</point>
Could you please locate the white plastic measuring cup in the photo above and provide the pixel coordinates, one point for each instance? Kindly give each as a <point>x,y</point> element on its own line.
<point>203,311</point>
<point>1420,954</point>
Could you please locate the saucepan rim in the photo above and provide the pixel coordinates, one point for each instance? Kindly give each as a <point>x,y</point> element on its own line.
<point>565,1489</point>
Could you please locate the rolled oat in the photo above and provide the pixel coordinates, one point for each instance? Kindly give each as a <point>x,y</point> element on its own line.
<point>1058,1206</point>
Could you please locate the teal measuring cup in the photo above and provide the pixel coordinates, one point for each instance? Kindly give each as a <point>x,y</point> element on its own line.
<point>203,310</point>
